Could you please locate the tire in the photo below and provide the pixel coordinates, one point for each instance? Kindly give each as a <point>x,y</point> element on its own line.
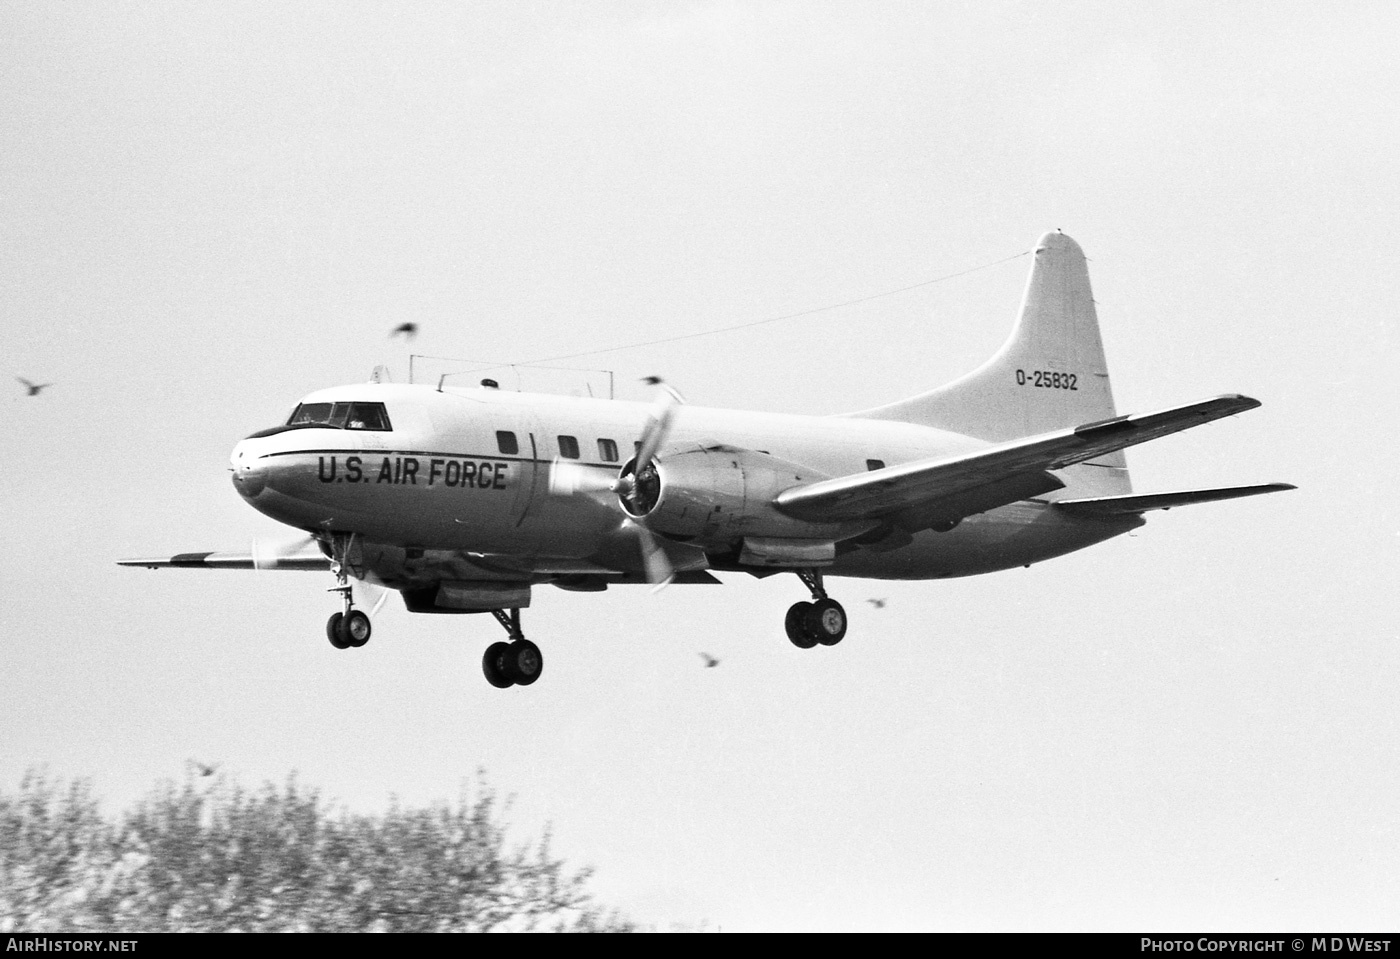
<point>355,628</point>
<point>796,626</point>
<point>826,621</point>
<point>333,631</point>
<point>524,662</point>
<point>493,665</point>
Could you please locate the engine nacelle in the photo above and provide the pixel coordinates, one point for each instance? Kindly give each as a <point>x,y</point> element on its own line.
<point>717,495</point>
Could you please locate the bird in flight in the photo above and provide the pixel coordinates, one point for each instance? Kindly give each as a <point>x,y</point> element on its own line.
<point>710,661</point>
<point>33,388</point>
<point>877,603</point>
<point>203,768</point>
<point>409,330</point>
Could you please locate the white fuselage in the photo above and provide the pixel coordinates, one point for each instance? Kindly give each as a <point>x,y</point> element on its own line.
<point>461,482</point>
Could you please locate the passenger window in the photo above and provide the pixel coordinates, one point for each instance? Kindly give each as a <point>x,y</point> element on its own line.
<point>568,447</point>
<point>506,443</point>
<point>607,451</point>
<point>874,464</point>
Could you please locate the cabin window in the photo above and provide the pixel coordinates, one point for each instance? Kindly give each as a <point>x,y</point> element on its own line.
<point>874,464</point>
<point>568,447</point>
<point>607,451</point>
<point>506,442</point>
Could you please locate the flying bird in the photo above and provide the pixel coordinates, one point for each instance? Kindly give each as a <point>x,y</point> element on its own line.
<point>877,603</point>
<point>409,330</point>
<point>204,769</point>
<point>33,388</point>
<point>710,661</point>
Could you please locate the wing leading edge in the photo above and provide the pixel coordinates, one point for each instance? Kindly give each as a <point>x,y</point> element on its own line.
<point>939,488</point>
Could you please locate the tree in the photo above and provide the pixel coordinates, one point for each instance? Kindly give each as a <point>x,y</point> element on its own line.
<point>222,858</point>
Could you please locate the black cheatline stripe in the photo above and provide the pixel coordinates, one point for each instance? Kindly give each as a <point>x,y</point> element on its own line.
<point>374,454</point>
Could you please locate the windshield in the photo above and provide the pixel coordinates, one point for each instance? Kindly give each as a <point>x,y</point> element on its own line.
<point>341,416</point>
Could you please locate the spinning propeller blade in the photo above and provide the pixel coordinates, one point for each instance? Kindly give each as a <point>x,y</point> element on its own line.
<point>368,595</point>
<point>566,479</point>
<point>268,554</point>
<point>658,423</point>
<point>654,559</point>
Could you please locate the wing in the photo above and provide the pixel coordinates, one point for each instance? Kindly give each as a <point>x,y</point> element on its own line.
<point>919,494</point>
<point>307,559</point>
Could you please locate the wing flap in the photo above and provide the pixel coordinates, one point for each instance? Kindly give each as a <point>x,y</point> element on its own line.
<point>921,483</point>
<point>1120,505</point>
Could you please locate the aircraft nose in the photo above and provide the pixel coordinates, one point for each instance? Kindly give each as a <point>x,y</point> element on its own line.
<point>249,472</point>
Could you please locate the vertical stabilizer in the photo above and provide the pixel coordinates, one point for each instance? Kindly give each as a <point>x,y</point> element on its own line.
<point>1049,375</point>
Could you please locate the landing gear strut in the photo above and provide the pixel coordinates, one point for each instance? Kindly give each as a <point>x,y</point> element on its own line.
<point>516,663</point>
<point>821,621</point>
<point>350,629</point>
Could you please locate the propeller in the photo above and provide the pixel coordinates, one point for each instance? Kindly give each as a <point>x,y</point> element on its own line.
<point>655,562</point>
<point>268,554</point>
<point>658,422</point>
<point>566,478</point>
<point>636,486</point>
<point>368,594</point>
<point>271,554</point>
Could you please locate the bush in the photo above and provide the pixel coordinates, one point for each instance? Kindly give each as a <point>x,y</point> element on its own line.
<point>223,859</point>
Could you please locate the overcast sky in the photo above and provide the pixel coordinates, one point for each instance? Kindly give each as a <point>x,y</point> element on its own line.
<point>208,210</point>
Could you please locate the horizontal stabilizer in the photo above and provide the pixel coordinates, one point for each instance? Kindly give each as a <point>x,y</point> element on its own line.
<point>1120,505</point>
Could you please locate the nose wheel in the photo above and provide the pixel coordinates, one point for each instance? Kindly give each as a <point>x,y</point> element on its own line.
<point>515,663</point>
<point>820,622</point>
<point>348,630</point>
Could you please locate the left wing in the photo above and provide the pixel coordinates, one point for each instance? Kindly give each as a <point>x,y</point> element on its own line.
<point>918,494</point>
<point>302,560</point>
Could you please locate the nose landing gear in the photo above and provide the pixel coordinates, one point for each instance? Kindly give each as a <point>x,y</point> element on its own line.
<point>516,663</point>
<point>822,621</point>
<point>350,629</point>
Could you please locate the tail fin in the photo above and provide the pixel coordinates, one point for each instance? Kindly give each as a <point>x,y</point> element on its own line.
<point>1049,375</point>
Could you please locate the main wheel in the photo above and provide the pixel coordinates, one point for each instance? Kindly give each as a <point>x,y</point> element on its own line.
<point>333,631</point>
<point>826,622</point>
<point>524,663</point>
<point>796,626</point>
<point>493,664</point>
<point>355,628</point>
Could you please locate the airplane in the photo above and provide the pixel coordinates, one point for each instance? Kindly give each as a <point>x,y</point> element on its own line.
<point>465,499</point>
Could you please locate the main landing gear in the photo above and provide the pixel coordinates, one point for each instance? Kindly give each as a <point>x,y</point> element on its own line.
<point>821,621</point>
<point>516,663</point>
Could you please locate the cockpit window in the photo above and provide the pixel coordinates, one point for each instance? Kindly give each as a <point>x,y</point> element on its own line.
<point>342,416</point>
<point>311,414</point>
<point>367,416</point>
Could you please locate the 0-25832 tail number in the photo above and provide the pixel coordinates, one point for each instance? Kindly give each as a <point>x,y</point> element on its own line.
<point>1047,379</point>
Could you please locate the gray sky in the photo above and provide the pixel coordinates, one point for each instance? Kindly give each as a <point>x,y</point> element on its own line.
<point>208,210</point>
